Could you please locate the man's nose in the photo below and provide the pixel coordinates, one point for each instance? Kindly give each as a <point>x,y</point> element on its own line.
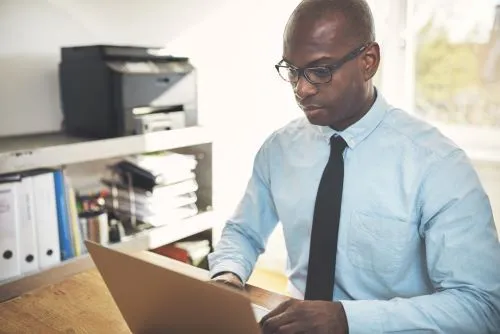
<point>304,88</point>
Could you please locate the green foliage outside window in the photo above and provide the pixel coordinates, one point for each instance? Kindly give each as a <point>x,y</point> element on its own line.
<point>455,81</point>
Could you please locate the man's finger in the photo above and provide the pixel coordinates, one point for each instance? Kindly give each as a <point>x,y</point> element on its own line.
<point>275,323</point>
<point>277,310</point>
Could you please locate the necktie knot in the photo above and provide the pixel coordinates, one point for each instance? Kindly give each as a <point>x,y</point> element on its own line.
<point>337,144</point>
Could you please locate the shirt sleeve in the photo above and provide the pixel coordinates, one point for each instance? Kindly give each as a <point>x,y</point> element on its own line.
<point>246,233</point>
<point>463,262</point>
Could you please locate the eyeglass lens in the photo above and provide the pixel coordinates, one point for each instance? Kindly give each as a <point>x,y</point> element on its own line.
<point>314,75</point>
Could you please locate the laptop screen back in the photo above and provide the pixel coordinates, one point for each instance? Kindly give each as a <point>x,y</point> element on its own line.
<point>155,294</point>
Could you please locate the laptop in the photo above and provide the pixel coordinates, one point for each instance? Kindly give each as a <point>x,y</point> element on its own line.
<point>156,294</point>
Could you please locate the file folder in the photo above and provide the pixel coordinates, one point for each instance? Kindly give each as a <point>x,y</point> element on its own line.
<point>27,226</point>
<point>9,231</point>
<point>47,230</point>
<point>63,219</point>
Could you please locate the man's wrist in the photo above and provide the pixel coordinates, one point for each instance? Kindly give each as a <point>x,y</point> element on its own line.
<point>226,273</point>
<point>228,278</point>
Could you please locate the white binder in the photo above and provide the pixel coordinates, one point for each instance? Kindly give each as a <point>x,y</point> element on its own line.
<point>27,226</point>
<point>9,231</point>
<point>47,230</point>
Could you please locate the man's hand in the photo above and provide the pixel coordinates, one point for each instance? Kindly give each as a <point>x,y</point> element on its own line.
<point>229,279</point>
<point>298,316</point>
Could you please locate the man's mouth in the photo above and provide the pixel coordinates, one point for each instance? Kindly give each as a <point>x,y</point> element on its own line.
<point>311,108</point>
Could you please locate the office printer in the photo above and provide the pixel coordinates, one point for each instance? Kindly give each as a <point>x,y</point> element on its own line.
<point>111,91</point>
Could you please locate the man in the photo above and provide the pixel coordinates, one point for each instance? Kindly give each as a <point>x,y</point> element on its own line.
<point>386,225</point>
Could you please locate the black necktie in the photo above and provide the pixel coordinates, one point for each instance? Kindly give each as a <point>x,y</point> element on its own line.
<point>325,227</point>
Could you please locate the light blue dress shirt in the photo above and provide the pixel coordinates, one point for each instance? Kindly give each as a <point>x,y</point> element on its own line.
<point>417,251</point>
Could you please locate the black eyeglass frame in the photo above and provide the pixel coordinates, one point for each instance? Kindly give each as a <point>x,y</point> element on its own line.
<point>332,68</point>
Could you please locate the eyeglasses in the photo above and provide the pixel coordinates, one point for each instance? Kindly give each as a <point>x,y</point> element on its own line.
<point>316,74</point>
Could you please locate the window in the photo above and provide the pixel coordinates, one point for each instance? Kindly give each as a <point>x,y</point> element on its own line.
<point>457,50</point>
<point>454,60</point>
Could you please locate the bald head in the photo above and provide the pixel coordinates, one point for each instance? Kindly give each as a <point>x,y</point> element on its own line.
<point>358,28</point>
<point>334,40</point>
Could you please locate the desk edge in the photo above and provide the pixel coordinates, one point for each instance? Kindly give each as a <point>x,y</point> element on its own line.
<point>47,277</point>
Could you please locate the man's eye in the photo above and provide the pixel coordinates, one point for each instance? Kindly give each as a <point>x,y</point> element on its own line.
<point>320,72</point>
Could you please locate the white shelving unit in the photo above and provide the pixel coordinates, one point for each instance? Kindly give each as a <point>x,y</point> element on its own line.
<point>44,151</point>
<point>24,153</point>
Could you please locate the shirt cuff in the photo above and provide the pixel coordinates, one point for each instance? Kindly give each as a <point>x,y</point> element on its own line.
<point>235,268</point>
<point>363,316</point>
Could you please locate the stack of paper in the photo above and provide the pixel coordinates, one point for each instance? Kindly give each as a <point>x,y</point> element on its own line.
<point>154,189</point>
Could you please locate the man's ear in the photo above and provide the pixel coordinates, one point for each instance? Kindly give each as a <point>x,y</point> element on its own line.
<point>371,61</point>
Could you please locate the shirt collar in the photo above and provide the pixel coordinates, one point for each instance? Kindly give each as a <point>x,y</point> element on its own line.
<point>357,132</point>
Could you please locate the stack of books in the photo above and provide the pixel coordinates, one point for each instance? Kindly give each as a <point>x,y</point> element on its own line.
<point>155,189</point>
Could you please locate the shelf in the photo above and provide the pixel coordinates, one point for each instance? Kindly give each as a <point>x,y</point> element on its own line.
<point>51,150</point>
<point>145,240</point>
<point>167,234</point>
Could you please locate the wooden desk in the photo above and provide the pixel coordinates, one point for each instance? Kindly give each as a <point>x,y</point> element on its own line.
<point>79,303</point>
